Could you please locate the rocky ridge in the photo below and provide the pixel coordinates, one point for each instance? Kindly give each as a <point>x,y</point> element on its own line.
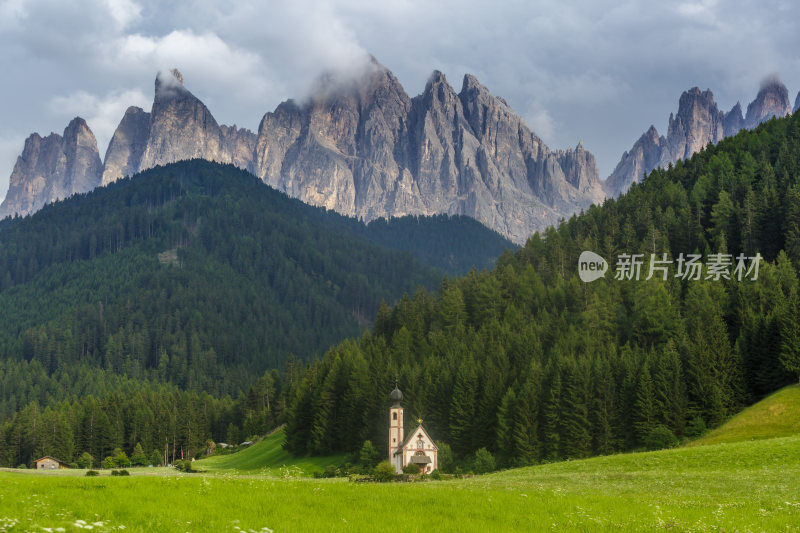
<point>361,146</point>
<point>52,168</point>
<point>697,123</point>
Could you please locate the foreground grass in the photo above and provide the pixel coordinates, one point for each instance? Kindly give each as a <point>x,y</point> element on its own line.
<point>268,457</point>
<point>777,415</point>
<point>750,486</point>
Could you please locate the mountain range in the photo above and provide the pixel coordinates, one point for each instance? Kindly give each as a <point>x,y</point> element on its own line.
<point>363,147</point>
<point>698,122</point>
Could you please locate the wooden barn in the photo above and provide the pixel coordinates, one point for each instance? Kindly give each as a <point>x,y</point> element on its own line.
<point>50,463</point>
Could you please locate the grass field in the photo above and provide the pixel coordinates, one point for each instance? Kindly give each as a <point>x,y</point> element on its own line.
<point>747,486</point>
<point>777,415</point>
<point>268,457</point>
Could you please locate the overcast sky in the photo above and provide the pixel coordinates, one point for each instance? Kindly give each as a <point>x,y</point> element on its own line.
<point>596,71</point>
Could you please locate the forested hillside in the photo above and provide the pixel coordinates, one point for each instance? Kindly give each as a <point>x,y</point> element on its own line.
<point>534,364</point>
<point>526,361</point>
<point>199,276</point>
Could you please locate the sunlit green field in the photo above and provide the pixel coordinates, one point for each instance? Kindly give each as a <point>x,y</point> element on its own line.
<point>267,457</point>
<point>777,415</point>
<point>748,486</point>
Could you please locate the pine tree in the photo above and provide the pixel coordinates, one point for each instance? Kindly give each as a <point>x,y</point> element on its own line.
<point>644,409</point>
<point>669,391</point>
<point>506,415</point>
<point>462,407</point>
<point>790,335</point>
<point>577,440</point>
<point>552,415</point>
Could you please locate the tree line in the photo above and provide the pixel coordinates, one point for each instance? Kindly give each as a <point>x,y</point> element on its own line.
<point>532,364</point>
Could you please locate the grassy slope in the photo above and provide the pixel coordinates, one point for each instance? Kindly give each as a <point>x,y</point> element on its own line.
<point>777,415</point>
<point>748,486</point>
<point>268,456</point>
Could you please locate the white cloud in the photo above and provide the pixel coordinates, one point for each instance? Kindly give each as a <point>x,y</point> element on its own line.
<point>11,13</point>
<point>540,121</point>
<point>124,12</point>
<point>213,69</point>
<point>600,70</point>
<point>102,113</point>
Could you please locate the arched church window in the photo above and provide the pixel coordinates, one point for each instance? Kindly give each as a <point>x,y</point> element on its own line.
<point>420,444</point>
<point>394,416</point>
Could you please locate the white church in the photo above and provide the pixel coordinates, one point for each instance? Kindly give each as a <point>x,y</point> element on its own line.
<point>416,448</point>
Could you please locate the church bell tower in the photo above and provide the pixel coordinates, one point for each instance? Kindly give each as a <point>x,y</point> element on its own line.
<point>395,424</point>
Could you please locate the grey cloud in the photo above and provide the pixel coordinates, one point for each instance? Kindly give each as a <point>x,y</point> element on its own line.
<point>600,72</point>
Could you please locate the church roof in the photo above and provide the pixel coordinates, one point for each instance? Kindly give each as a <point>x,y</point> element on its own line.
<point>412,435</point>
<point>396,396</point>
<point>59,461</point>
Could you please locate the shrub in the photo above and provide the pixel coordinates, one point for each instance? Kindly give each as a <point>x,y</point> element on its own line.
<point>696,427</point>
<point>121,459</point>
<point>115,472</point>
<point>74,466</point>
<point>384,472</point>
<point>484,461</point>
<point>659,438</point>
<point>156,458</point>
<point>108,462</point>
<point>447,460</point>
<point>91,473</point>
<point>331,471</point>
<point>124,473</point>
<point>184,465</point>
<point>138,458</point>
<point>436,475</point>
<point>86,460</point>
<point>411,469</point>
<point>368,456</point>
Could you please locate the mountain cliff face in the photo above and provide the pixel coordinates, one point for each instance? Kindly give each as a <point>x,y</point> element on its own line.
<point>796,103</point>
<point>178,127</point>
<point>362,147</point>
<point>52,168</point>
<point>772,101</point>
<point>125,150</point>
<point>697,123</point>
<point>733,121</point>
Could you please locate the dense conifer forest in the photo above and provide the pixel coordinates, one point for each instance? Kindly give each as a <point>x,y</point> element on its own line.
<point>524,362</point>
<point>532,364</point>
<point>154,301</point>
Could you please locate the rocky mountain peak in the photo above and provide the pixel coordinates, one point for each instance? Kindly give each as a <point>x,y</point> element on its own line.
<point>53,168</point>
<point>357,144</point>
<point>471,83</point>
<point>772,101</point>
<point>796,103</point>
<point>124,153</point>
<point>168,83</point>
<point>733,120</point>
<point>439,94</point>
<point>473,91</point>
<point>697,123</point>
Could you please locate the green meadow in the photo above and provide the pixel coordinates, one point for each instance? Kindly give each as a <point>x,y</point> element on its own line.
<point>777,415</point>
<point>746,486</point>
<point>267,457</point>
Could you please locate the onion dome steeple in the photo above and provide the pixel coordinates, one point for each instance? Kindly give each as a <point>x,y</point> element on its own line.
<point>396,396</point>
